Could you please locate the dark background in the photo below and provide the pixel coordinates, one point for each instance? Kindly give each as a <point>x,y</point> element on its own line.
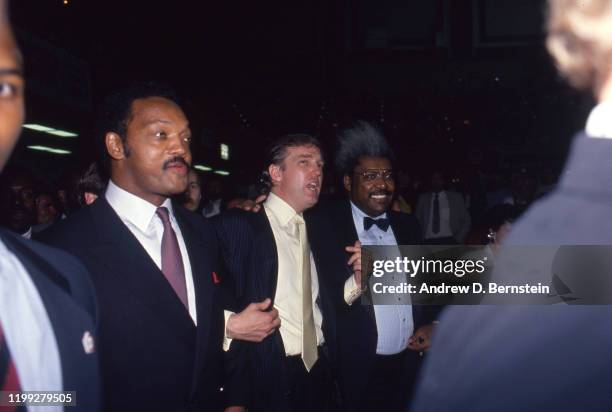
<point>463,85</point>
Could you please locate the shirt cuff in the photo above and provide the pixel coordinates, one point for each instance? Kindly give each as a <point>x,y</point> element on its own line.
<point>227,341</point>
<point>352,290</point>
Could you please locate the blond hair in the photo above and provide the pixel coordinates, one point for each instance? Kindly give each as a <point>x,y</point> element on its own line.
<point>580,40</point>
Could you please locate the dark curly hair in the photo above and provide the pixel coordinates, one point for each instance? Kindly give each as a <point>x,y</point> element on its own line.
<point>115,112</point>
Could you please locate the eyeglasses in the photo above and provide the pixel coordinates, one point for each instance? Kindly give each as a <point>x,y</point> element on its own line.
<point>372,175</point>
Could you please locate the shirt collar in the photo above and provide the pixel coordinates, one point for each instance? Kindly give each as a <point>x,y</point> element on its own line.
<point>28,233</point>
<point>132,208</point>
<point>599,123</point>
<point>280,209</point>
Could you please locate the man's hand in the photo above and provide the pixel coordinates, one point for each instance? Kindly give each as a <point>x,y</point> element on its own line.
<point>254,323</point>
<point>421,339</point>
<point>247,204</point>
<point>355,260</point>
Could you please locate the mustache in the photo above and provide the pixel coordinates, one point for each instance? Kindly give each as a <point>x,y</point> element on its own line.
<point>176,159</point>
<point>380,192</point>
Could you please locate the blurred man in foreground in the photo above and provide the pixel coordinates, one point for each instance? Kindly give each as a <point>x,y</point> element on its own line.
<point>533,358</point>
<point>47,332</point>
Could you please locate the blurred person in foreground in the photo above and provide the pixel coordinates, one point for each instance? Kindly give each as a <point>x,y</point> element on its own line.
<point>47,305</point>
<point>534,358</point>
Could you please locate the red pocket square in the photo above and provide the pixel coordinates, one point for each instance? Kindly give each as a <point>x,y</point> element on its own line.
<point>216,279</point>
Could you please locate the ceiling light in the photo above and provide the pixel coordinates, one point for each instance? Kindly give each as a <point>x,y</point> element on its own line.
<point>38,127</point>
<point>224,149</point>
<point>62,133</point>
<point>50,150</point>
<point>49,130</point>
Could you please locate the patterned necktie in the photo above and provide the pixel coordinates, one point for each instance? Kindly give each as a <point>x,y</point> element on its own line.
<point>435,226</point>
<point>9,380</point>
<point>309,334</point>
<point>171,259</point>
<point>382,223</point>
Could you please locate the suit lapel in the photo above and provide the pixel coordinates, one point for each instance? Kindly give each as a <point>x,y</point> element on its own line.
<point>266,245</point>
<point>41,266</point>
<point>201,270</point>
<point>127,260</point>
<point>344,218</point>
<point>68,320</point>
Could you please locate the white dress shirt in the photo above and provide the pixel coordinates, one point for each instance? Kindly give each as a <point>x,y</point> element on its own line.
<point>288,298</point>
<point>28,233</point>
<point>140,218</point>
<point>394,323</point>
<point>445,227</point>
<point>27,329</point>
<point>599,123</point>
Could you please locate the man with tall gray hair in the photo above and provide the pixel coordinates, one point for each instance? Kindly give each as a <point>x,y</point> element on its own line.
<point>528,358</point>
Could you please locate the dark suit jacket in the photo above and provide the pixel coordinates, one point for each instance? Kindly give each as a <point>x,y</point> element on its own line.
<point>460,220</point>
<point>251,266</point>
<point>533,358</point>
<point>152,355</point>
<point>357,332</point>
<point>68,297</point>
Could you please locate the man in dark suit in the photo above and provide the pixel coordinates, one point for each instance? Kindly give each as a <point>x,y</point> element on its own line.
<point>47,307</point>
<point>442,214</point>
<point>283,254</point>
<point>152,262</point>
<point>379,345</point>
<point>534,358</point>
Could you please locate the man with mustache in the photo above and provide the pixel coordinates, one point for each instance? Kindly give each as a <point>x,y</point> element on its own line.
<point>378,345</point>
<point>153,263</point>
<point>47,305</point>
<point>283,253</point>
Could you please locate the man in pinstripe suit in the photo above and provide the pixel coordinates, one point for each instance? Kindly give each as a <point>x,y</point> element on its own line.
<point>283,254</point>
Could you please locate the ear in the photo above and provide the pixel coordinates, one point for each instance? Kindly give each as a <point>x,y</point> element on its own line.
<point>347,183</point>
<point>114,146</point>
<point>276,174</point>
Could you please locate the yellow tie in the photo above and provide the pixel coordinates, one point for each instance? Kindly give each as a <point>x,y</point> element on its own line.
<point>309,335</point>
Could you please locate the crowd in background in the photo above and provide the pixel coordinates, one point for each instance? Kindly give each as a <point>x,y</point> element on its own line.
<point>29,206</point>
<point>134,302</point>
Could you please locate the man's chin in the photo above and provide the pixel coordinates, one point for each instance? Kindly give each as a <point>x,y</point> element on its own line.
<point>311,202</point>
<point>177,186</point>
<point>379,207</point>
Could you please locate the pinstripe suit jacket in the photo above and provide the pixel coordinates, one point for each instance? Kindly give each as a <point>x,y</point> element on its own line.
<point>251,268</point>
